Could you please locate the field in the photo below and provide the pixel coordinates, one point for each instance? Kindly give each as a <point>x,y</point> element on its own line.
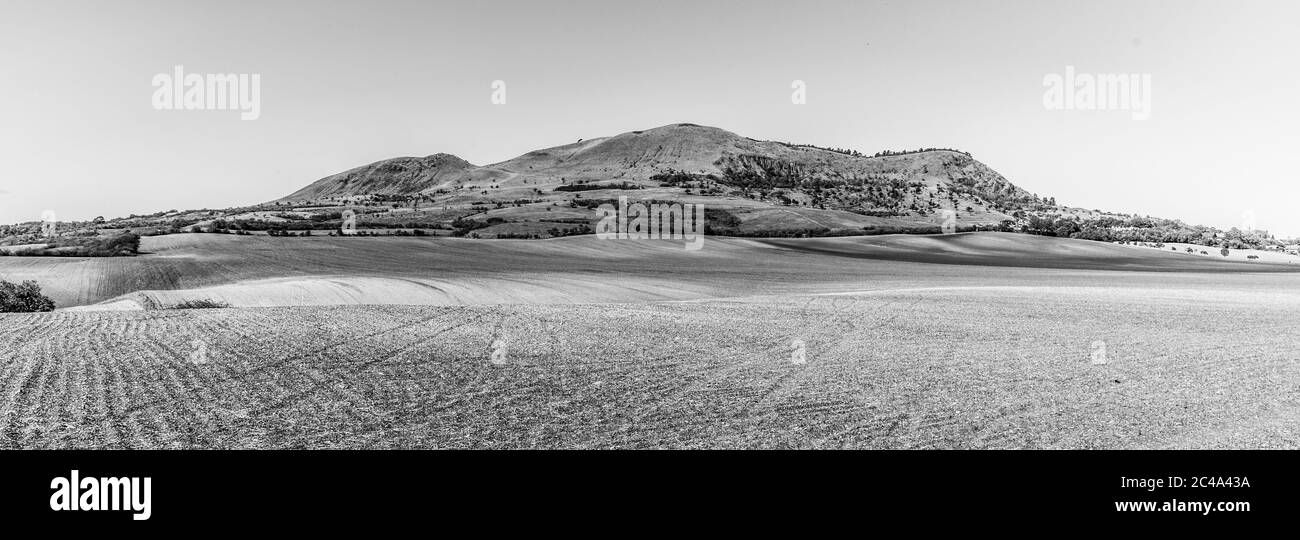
<point>961,341</point>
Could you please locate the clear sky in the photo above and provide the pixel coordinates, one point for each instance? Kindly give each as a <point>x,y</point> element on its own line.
<point>348,83</point>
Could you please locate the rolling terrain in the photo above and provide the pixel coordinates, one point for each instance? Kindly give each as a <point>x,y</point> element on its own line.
<point>977,340</point>
<point>789,329</point>
<point>268,271</point>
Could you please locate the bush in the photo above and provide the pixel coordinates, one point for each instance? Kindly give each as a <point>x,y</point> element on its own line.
<point>205,303</point>
<point>465,226</point>
<point>593,187</point>
<point>24,298</point>
<point>121,245</point>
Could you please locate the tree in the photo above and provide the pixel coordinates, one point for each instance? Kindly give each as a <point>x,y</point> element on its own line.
<point>24,298</point>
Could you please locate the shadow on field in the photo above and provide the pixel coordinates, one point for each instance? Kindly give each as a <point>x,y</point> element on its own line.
<point>1020,250</point>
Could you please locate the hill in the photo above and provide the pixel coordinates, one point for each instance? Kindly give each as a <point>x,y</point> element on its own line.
<point>688,160</point>
<point>401,175</point>
<point>749,188</point>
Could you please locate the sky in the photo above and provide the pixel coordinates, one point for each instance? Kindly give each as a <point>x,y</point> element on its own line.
<point>344,84</point>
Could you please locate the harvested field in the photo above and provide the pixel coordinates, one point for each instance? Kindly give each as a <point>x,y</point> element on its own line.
<point>898,354</point>
<point>256,271</point>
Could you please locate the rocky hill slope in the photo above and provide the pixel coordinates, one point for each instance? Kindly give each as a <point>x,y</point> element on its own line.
<point>699,161</point>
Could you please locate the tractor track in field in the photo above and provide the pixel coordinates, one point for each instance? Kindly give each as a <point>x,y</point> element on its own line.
<point>828,327</point>
<point>289,359</point>
<point>913,369</point>
<point>344,388</point>
<point>431,409</point>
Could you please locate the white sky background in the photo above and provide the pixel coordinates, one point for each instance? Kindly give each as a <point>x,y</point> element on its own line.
<point>345,84</point>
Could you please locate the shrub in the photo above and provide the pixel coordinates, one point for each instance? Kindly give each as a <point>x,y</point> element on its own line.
<point>466,226</point>
<point>119,245</point>
<point>23,298</point>
<point>593,187</point>
<point>205,303</point>
<point>125,244</point>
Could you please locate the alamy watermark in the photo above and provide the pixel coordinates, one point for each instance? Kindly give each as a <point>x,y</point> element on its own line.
<point>498,356</point>
<point>49,224</point>
<point>348,227</point>
<point>1101,91</point>
<point>798,352</point>
<point>199,354</point>
<point>1098,353</point>
<point>178,90</point>
<point>654,221</point>
<point>73,493</point>
<point>498,92</point>
<point>1248,222</point>
<point>949,225</point>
